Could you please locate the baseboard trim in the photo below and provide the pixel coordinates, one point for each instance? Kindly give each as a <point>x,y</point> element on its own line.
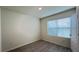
<point>18,46</point>
<point>56,43</point>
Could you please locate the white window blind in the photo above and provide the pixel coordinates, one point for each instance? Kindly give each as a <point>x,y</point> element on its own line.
<point>59,27</point>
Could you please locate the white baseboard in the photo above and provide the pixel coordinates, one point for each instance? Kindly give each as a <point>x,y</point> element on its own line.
<point>55,43</point>
<point>18,46</point>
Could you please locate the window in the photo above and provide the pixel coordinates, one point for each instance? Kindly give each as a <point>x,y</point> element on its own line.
<point>59,27</point>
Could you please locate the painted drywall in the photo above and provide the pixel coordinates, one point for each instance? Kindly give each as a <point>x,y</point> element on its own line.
<point>0,29</point>
<point>57,40</point>
<point>18,29</point>
<point>46,10</point>
<point>75,31</point>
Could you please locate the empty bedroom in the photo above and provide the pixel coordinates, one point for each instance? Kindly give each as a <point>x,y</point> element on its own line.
<point>39,29</point>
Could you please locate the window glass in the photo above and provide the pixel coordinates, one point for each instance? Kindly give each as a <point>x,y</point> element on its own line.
<point>64,22</point>
<point>59,27</point>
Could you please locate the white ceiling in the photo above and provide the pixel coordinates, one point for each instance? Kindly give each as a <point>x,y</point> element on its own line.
<point>33,10</point>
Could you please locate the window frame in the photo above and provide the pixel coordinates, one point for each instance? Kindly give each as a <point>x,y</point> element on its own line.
<point>60,28</point>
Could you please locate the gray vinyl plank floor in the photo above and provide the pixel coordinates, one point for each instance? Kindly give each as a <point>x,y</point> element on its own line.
<point>41,46</point>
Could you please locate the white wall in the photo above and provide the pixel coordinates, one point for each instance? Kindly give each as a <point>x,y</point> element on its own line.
<point>57,40</point>
<point>74,39</point>
<point>18,29</point>
<point>0,29</point>
<point>75,32</point>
